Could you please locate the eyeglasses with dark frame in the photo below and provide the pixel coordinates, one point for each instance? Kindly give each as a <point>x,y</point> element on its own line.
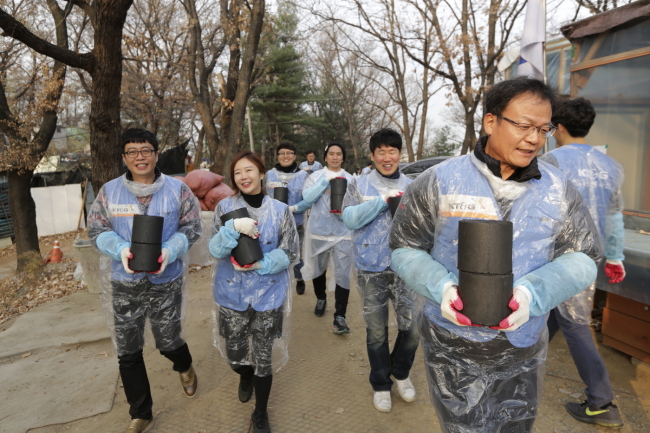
<point>134,153</point>
<point>527,129</point>
<point>286,153</point>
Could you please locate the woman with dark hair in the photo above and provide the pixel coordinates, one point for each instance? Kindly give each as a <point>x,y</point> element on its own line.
<point>253,302</point>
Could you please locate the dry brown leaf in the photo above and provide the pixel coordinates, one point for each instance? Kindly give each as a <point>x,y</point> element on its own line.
<point>25,355</point>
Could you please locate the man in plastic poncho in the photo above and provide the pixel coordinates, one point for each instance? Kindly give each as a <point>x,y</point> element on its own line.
<point>366,212</point>
<point>134,297</point>
<point>287,174</point>
<point>327,238</point>
<point>599,179</point>
<point>311,165</point>
<point>483,379</point>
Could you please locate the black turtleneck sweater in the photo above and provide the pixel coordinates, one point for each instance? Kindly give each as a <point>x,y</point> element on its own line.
<point>254,200</point>
<point>522,174</point>
<point>390,176</point>
<point>293,168</point>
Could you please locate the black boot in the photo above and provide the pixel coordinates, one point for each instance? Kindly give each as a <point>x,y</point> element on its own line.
<point>260,421</point>
<point>300,287</point>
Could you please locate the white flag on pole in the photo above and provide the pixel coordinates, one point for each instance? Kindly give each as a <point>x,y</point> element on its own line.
<point>531,62</point>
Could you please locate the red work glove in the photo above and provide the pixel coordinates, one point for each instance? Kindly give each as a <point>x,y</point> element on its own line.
<point>520,306</point>
<point>615,271</point>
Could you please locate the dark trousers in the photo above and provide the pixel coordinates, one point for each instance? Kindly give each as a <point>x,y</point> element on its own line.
<point>261,385</point>
<point>136,382</point>
<point>484,387</point>
<point>297,269</point>
<point>585,355</point>
<point>341,295</point>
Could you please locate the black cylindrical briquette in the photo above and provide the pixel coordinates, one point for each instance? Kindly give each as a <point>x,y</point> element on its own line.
<point>147,229</point>
<point>145,257</point>
<point>393,204</point>
<point>485,297</point>
<point>338,187</point>
<point>485,247</point>
<point>248,250</point>
<point>281,193</point>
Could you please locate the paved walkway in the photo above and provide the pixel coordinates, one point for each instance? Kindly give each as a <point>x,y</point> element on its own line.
<point>324,387</point>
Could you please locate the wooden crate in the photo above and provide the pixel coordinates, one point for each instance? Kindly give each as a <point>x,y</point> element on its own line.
<point>626,326</point>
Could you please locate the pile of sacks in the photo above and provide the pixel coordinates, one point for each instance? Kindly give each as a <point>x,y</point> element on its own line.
<point>207,187</point>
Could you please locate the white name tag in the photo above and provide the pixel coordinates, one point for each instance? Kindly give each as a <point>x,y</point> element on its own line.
<point>124,210</point>
<point>275,184</point>
<point>366,198</point>
<point>467,206</point>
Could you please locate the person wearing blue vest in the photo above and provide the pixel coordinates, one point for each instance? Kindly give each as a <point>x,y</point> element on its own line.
<point>484,379</point>
<point>253,302</point>
<point>599,180</point>
<point>287,174</point>
<point>327,238</point>
<point>367,169</point>
<point>366,212</point>
<point>134,297</point>
<point>311,165</point>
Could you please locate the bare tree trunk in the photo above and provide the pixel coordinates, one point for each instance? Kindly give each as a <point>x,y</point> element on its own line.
<point>23,214</point>
<point>199,149</point>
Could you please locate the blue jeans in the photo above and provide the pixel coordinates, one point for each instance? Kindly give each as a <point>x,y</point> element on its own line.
<point>585,355</point>
<point>376,289</point>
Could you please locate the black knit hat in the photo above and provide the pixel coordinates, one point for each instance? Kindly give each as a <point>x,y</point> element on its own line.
<point>334,143</point>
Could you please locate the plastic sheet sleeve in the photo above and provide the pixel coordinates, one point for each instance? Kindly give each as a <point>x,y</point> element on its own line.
<point>189,222</point>
<point>99,217</point>
<point>178,245</point>
<point>422,273</point>
<point>614,237</point>
<point>376,290</point>
<point>578,308</point>
<point>557,281</point>
<point>224,240</point>
<point>482,387</point>
<point>356,212</point>
<point>579,233</point>
<point>302,206</point>
<point>111,244</point>
<point>139,312</point>
<point>415,227</point>
<point>312,190</point>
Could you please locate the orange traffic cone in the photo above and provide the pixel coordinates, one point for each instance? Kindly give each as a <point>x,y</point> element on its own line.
<point>55,255</point>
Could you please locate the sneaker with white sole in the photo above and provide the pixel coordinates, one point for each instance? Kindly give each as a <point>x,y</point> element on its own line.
<point>382,401</point>
<point>406,389</point>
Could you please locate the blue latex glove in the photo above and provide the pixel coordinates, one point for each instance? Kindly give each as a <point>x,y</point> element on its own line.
<point>311,195</point>
<point>557,281</point>
<point>356,217</point>
<point>422,273</point>
<point>111,244</point>
<point>224,241</point>
<point>273,262</point>
<point>302,206</point>
<point>615,237</point>
<point>177,245</point>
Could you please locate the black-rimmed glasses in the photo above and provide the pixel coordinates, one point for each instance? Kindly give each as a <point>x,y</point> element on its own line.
<point>134,153</point>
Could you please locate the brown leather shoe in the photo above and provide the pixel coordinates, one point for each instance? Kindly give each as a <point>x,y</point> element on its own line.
<point>139,425</point>
<point>189,382</point>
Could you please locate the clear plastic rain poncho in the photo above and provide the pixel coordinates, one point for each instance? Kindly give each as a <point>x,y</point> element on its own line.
<point>328,242</point>
<point>294,182</point>
<point>599,180</point>
<point>482,379</point>
<point>310,168</point>
<point>132,301</point>
<point>252,315</point>
<point>366,212</point>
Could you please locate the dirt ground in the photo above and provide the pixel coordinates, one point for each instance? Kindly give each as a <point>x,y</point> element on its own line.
<point>324,387</point>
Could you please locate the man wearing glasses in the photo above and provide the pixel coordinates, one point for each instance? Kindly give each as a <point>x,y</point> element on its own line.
<point>487,379</point>
<point>136,296</point>
<point>286,173</point>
